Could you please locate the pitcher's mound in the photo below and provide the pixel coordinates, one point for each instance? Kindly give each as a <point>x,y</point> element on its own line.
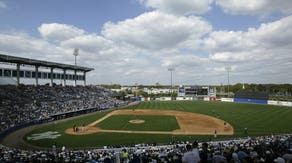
<point>137,121</point>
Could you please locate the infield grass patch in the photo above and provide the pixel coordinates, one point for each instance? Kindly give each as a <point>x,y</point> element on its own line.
<point>152,123</point>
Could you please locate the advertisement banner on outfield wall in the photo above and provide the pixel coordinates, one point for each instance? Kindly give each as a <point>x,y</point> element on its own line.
<point>184,98</point>
<point>180,98</point>
<point>285,103</point>
<point>164,99</point>
<point>270,102</point>
<point>227,99</point>
<point>280,103</point>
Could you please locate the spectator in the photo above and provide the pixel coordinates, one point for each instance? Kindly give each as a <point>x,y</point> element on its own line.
<point>254,148</point>
<point>196,150</point>
<point>218,158</point>
<point>204,155</point>
<point>189,156</point>
<point>125,156</point>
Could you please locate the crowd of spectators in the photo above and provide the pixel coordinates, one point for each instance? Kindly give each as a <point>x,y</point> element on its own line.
<point>23,104</point>
<point>258,149</point>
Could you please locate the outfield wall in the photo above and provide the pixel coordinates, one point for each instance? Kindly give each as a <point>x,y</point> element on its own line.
<point>184,98</point>
<point>268,102</point>
<point>227,99</point>
<point>280,103</point>
<point>244,100</point>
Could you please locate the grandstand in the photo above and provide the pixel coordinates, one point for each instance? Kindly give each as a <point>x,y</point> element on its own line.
<point>36,74</point>
<point>259,149</point>
<point>27,105</point>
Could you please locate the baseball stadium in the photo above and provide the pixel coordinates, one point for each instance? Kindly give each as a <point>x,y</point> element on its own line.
<point>92,118</point>
<point>146,81</point>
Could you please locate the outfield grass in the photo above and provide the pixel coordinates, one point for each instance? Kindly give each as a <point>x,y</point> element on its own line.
<point>152,123</point>
<point>259,119</point>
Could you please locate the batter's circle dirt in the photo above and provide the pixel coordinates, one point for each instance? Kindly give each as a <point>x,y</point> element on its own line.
<point>136,121</point>
<point>189,123</point>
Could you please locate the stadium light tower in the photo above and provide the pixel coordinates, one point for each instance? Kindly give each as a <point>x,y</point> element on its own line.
<point>171,69</point>
<point>228,68</point>
<point>75,53</point>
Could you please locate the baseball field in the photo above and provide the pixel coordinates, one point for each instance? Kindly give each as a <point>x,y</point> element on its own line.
<point>161,122</point>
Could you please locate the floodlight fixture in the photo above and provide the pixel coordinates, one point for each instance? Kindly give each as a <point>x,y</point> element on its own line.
<point>76,53</point>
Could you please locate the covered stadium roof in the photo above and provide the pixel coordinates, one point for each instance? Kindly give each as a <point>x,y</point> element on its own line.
<point>34,62</point>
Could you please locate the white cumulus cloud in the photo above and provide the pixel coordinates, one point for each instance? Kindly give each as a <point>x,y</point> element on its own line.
<point>231,57</point>
<point>179,7</point>
<point>156,30</point>
<point>142,48</point>
<point>22,44</point>
<point>91,43</point>
<point>256,7</point>
<point>59,32</point>
<point>276,34</point>
<point>184,61</point>
<point>269,39</point>
<point>258,53</point>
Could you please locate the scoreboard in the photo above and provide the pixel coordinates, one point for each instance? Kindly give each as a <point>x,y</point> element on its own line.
<point>196,91</point>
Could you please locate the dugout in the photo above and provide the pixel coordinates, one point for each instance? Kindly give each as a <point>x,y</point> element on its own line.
<point>251,97</point>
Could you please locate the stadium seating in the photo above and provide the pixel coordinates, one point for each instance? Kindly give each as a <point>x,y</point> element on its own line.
<point>24,104</point>
<point>258,149</point>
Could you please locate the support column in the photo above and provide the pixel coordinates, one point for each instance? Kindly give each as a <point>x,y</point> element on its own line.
<point>64,74</point>
<point>36,75</point>
<point>17,74</point>
<point>52,77</point>
<point>75,78</point>
<point>84,75</point>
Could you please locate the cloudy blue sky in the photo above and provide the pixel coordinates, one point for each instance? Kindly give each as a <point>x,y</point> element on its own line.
<point>136,41</point>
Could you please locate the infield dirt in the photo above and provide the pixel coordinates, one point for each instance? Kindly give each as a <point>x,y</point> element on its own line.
<point>189,123</point>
